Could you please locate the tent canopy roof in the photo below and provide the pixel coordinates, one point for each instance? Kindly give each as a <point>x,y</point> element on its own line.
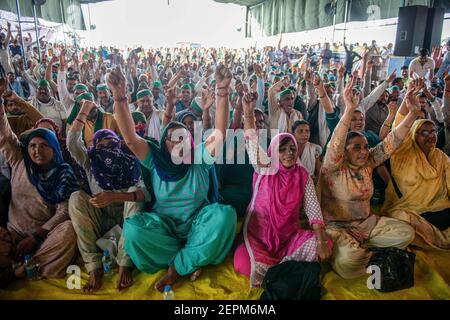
<point>247,3</point>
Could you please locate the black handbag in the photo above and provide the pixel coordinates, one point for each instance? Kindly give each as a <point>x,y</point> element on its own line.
<point>396,267</point>
<point>292,280</point>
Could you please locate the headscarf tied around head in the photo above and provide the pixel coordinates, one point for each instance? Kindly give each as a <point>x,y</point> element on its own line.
<point>61,140</point>
<point>283,209</point>
<point>428,191</point>
<point>51,122</point>
<point>113,166</point>
<point>60,181</point>
<point>213,193</point>
<point>77,107</point>
<point>184,114</point>
<point>169,171</point>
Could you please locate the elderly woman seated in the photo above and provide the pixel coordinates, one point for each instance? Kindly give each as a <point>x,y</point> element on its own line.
<point>345,187</point>
<point>419,190</point>
<point>41,227</point>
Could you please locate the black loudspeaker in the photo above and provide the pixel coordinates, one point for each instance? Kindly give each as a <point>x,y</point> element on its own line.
<point>410,30</point>
<point>433,31</point>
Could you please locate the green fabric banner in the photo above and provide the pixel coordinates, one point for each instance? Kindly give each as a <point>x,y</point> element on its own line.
<point>272,17</point>
<point>51,11</point>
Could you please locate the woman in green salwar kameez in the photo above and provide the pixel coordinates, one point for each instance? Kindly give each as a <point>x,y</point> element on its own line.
<point>182,231</point>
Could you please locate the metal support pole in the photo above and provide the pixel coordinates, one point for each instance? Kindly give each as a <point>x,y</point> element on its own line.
<point>346,16</point>
<point>20,27</point>
<point>63,22</point>
<point>73,28</point>
<point>246,21</point>
<point>37,31</point>
<point>334,23</point>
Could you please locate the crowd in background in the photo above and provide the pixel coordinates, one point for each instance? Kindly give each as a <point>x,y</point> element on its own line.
<point>87,138</point>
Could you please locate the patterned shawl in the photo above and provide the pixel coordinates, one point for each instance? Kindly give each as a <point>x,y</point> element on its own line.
<point>59,182</point>
<point>113,167</point>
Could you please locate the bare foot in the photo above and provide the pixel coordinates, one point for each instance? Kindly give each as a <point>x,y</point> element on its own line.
<point>169,279</point>
<point>19,271</point>
<point>95,281</point>
<point>125,278</point>
<point>195,274</point>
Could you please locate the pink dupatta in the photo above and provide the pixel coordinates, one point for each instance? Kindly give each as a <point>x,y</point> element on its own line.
<point>272,232</point>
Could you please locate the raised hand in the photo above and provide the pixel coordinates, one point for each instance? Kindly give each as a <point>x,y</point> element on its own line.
<point>62,58</point>
<point>351,98</point>
<point>171,96</point>
<point>418,84</point>
<point>308,75</point>
<point>341,71</point>
<point>286,82</point>
<point>223,77</point>
<point>151,58</point>
<point>54,60</point>
<point>411,101</point>
<point>392,76</point>
<point>258,70</point>
<point>117,83</point>
<point>392,106</point>
<point>249,102</point>
<point>208,98</point>
<point>87,106</point>
<point>318,84</point>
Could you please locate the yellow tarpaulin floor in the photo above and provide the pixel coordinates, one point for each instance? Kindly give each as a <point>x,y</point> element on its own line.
<point>432,281</point>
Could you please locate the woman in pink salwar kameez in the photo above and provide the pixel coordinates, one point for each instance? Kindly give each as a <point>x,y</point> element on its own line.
<point>282,189</point>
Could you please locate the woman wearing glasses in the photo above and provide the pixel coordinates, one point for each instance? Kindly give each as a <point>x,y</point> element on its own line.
<point>419,190</point>
<point>345,188</point>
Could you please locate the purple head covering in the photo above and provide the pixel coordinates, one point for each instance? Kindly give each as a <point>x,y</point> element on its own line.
<point>113,165</point>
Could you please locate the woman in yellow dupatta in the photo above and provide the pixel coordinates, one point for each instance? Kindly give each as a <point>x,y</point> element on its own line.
<point>419,191</point>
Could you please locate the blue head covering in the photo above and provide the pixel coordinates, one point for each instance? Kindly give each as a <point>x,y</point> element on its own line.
<point>59,182</point>
<point>183,114</point>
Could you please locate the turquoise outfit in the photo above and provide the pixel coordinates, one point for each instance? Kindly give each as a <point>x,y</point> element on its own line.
<point>183,229</point>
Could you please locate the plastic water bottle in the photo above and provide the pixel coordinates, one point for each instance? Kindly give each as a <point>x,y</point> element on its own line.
<point>168,293</point>
<point>30,268</point>
<point>107,263</point>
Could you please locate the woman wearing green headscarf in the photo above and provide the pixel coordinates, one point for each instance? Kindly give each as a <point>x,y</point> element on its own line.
<point>95,118</point>
<point>182,231</point>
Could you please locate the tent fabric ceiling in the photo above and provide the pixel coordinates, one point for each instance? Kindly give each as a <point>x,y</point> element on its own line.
<point>68,11</point>
<point>271,17</point>
<point>247,3</point>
